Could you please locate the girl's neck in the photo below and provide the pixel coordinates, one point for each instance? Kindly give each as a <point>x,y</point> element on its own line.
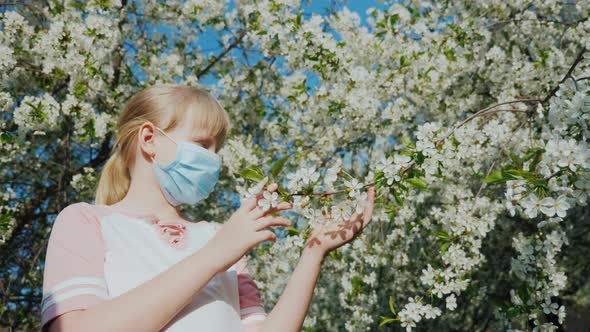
<point>145,198</point>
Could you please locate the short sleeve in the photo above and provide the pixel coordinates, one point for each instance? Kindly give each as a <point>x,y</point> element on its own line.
<point>73,276</point>
<point>252,311</point>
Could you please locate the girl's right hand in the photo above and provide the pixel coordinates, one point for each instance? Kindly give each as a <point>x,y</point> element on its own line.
<point>246,228</point>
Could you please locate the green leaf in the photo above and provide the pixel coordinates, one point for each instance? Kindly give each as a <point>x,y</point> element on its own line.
<point>386,320</point>
<point>417,182</point>
<point>37,111</point>
<point>283,194</point>
<point>540,183</point>
<point>516,172</point>
<point>406,141</point>
<point>407,153</point>
<point>379,180</point>
<point>379,175</point>
<point>391,304</point>
<point>77,5</point>
<point>517,162</point>
<point>5,219</point>
<point>513,312</point>
<point>419,158</point>
<point>398,198</point>
<point>444,247</point>
<point>450,54</point>
<point>442,235</point>
<point>357,286</point>
<point>252,172</point>
<point>390,208</point>
<point>278,166</point>
<point>392,19</point>
<point>538,157</point>
<point>402,187</point>
<point>523,293</point>
<point>495,177</point>
<point>532,153</point>
<point>6,138</point>
<point>80,90</point>
<point>89,130</point>
<point>293,231</point>
<point>403,61</point>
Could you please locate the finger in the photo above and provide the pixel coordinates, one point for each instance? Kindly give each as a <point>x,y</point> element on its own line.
<point>249,203</point>
<point>259,212</point>
<point>272,187</point>
<point>354,217</point>
<point>357,220</point>
<point>266,235</point>
<point>368,210</point>
<point>271,221</point>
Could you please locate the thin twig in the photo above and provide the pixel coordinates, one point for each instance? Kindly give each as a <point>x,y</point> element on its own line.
<point>487,109</point>
<point>483,184</point>
<point>567,75</point>
<point>234,44</point>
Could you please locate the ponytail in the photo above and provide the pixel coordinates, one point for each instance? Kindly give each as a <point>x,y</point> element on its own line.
<point>114,181</point>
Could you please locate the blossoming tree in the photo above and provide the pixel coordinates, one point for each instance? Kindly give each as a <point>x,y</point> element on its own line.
<point>470,119</point>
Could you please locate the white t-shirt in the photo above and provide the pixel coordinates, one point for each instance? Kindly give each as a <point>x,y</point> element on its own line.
<point>97,252</point>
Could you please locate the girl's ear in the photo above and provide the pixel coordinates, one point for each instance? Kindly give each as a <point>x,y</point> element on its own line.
<point>145,139</point>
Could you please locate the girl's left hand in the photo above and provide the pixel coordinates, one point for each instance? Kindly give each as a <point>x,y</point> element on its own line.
<point>326,238</point>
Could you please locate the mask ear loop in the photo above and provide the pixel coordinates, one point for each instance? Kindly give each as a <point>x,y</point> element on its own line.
<point>173,140</point>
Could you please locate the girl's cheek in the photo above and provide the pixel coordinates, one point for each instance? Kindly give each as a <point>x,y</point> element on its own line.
<point>165,155</point>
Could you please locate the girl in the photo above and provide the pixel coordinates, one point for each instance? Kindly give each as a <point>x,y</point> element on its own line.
<point>133,262</point>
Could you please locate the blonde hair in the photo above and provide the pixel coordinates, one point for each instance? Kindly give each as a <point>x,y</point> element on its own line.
<point>153,104</point>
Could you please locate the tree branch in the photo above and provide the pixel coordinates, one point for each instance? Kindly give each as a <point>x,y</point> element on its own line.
<point>567,75</point>
<point>234,44</point>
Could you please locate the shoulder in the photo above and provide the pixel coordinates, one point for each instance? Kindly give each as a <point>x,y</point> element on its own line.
<point>77,210</point>
<point>76,217</point>
<point>77,207</point>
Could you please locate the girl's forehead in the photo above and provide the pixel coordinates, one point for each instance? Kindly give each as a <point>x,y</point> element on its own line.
<point>200,121</point>
<point>190,127</point>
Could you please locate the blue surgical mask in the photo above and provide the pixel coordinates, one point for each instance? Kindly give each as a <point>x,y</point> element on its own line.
<point>191,177</point>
